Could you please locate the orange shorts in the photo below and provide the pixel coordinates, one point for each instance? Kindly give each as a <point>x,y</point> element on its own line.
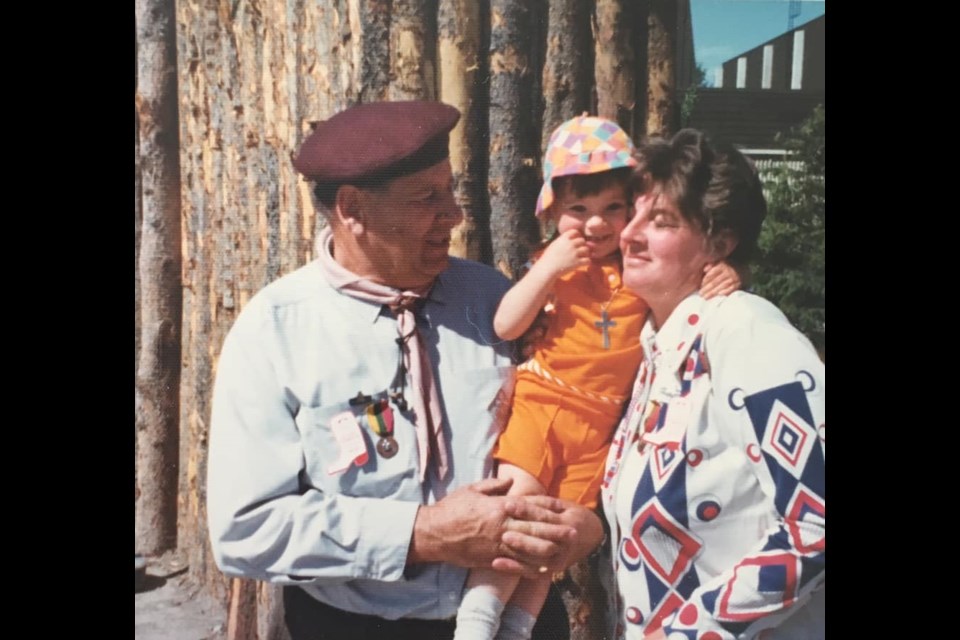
<point>559,438</point>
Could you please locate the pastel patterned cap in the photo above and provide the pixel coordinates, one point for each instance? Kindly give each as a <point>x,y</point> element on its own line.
<point>585,144</point>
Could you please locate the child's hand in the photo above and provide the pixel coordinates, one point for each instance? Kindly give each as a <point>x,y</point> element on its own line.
<point>719,280</point>
<point>567,252</point>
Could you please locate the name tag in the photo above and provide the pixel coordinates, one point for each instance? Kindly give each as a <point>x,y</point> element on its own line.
<point>352,448</point>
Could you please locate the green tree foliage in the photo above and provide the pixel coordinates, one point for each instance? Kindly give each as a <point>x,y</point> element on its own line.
<point>792,243</point>
<point>697,81</point>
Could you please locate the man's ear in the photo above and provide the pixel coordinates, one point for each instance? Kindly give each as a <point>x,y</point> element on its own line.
<point>349,209</point>
<point>722,245</point>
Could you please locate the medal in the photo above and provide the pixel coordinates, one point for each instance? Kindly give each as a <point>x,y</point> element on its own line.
<point>380,418</point>
<point>387,447</point>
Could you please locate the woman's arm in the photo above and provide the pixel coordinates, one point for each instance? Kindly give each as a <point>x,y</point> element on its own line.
<point>523,301</point>
<point>769,387</point>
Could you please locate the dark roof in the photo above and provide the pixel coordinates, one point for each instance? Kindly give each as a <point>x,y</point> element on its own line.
<point>750,118</point>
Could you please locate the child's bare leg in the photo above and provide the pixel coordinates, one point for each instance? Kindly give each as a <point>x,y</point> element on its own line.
<point>521,612</point>
<point>487,591</point>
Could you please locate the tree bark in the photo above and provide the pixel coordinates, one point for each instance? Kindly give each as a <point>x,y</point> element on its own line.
<point>616,62</point>
<point>138,222</point>
<point>242,614</point>
<point>270,624</point>
<point>412,50</point>
<point>459,54</point>
<point>585,599</point>
<point>662,109</point>
<point>158,373</point>
<point>568,65</point>
<point>512,179</point>
<point>375,70</point>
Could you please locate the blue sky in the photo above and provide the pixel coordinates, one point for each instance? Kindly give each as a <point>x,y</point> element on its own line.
<point>725,28</point>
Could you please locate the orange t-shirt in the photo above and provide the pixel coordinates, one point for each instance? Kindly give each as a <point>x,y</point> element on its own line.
<point>573,347</point>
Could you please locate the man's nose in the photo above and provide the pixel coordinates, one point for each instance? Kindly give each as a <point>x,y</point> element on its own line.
<point>450,212</point>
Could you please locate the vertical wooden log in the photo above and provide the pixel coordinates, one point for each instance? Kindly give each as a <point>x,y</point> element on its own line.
<point>615,62</point>
<point>412,50</point>
<point>201,49</point>
<point>376,64</point>
<point>584,597</point>
<point>255,76</point>
<point>568,65</point>
<point>242,614</point>
<point>459,61</point>
<point>158,374</point>
<point>663,114</point>
<point>138,221</point>
<point>270,623</point>
<point>512,179</point>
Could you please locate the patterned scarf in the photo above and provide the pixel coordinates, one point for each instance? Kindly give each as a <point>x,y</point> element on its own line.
<point>426,403</point>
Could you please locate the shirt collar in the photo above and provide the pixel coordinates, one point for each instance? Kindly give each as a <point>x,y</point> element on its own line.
<point>370,312</point>
<point>673,340</point>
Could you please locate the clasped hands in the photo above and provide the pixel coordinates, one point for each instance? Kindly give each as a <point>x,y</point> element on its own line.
<point>480,526</point>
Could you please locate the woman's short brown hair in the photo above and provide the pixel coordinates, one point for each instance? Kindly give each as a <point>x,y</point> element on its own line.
<point>713,185</point>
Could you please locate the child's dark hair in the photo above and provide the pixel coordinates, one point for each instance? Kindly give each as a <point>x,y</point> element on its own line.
<point>590,184</point>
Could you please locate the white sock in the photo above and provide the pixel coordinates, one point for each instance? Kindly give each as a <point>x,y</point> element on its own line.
<point>515,624</point>
<point>478,616</point>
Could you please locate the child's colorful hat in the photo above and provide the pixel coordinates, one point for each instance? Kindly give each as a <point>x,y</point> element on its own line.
<point>585,144</point>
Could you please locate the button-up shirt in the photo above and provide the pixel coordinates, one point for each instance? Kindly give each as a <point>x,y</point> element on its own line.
<point>297,354</point>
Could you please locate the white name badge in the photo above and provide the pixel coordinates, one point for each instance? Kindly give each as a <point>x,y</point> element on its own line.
<point>349,439</point>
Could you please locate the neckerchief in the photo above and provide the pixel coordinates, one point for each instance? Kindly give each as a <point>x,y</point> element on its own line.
<point>428,418</point>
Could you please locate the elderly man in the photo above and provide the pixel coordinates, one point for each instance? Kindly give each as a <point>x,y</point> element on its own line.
<point>358,399</point>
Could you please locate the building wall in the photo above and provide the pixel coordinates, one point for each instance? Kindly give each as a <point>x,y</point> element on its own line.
<point>814,61</point>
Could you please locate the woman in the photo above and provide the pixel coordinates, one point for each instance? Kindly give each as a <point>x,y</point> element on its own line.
<point>715,481</point>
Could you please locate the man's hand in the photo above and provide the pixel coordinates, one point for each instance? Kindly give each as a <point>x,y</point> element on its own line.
<point>565,253</point>
<point>467,528</point>
<point>530,514</point>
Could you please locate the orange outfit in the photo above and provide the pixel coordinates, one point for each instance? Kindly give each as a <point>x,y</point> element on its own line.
<point>570,395</point>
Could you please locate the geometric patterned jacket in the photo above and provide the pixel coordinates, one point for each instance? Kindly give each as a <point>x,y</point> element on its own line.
<point>714,489</point>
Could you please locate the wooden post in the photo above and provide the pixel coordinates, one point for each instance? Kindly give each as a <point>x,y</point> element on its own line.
<point>158,373</point>
<point>375,70</point>
<point>568,65</point>
<point>460,62</point>
<point>615,61</point>
<point>412,50</point>
<point>663,114</point>
<point>513,178</point>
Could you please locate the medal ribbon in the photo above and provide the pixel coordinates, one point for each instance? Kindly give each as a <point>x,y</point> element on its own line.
<point>427,412</point>
<point>380,418</point>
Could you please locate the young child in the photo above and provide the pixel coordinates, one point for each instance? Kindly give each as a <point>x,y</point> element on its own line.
<point>569,396</point>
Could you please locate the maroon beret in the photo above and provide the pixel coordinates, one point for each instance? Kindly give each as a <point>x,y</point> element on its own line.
<point>377,141</point>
